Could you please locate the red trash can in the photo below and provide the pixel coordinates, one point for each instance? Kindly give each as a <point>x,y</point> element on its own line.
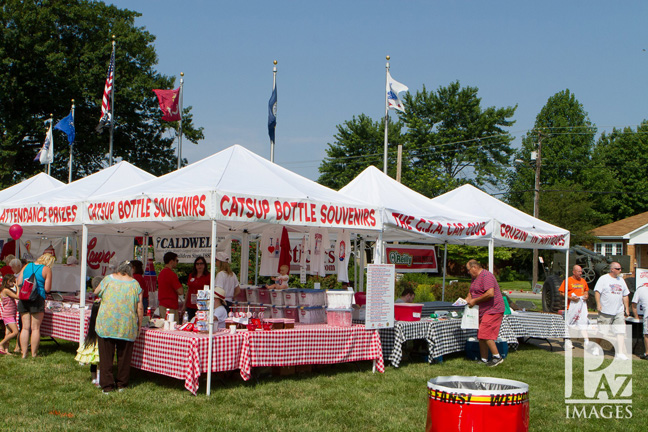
<point>457,403</point>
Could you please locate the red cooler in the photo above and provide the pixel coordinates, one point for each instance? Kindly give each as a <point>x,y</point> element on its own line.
<point>408,311</point>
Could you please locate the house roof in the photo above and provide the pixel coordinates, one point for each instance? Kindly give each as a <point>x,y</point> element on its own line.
<point>622,227</point>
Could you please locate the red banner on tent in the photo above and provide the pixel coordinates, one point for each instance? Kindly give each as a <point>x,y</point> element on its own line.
<point>410,259</point>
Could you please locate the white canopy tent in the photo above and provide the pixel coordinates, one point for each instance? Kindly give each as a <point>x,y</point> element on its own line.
<point>32,186</point>
<point>408,215</point>
<point>27,188</point>
<point>235,191</point>
<point>511,227</point>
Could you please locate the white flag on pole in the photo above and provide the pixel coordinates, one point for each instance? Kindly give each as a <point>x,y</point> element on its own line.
<point>46,154</point>
<point>393,88</point>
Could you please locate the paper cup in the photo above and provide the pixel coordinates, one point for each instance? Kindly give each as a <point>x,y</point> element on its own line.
<point>232,328</point>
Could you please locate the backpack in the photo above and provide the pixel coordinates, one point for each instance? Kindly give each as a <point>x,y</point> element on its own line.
<point>28,290</point>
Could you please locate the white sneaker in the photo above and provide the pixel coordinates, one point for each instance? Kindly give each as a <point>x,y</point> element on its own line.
<point>621,356</point>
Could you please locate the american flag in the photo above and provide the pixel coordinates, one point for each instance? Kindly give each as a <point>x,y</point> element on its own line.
<point>106,101</point>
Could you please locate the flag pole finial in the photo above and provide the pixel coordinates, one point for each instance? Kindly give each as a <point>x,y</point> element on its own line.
<point>72,100</point>
<point>181,74</point>
<point>387,57</point>
<point>275,62</point>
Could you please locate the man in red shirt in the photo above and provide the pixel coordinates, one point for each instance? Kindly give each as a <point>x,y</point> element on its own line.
<point>169,286</point>
<point>485,292</point>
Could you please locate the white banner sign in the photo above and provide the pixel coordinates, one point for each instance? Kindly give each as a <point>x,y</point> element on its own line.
<point>102,249</point>
<point>189,248</point>
<point>31,249</point>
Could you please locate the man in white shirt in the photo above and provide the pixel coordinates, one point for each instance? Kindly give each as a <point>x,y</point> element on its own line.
<point>612,303</point>
<point>641,298</point>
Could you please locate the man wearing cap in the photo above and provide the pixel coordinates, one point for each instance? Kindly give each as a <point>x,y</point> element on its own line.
<point>485,292</point>
<point>169,286</point>
<point>612,303</point>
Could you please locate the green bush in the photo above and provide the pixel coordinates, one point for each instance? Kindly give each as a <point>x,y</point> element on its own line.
<point>508,274</point>
<point>423,293</point>
<point>452,291</point>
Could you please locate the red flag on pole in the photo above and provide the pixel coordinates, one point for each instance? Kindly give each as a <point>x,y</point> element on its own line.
<point>169,103</point>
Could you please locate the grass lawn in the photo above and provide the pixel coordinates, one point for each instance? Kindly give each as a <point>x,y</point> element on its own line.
<point>53,392</point>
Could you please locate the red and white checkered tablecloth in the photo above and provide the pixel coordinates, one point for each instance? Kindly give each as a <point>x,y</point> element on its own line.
<point>184,355</point>
<point>310,344</point>
<point>63,325</point>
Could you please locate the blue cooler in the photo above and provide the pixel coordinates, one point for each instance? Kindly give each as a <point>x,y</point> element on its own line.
<point>472,349</point>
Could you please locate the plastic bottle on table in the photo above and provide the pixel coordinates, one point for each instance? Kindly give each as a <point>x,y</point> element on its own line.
<point>185,317</point>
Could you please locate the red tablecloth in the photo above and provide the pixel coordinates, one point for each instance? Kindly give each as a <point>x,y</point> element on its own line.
<point>310,344</point>
<point>63,325</point>
<point>184,355</point>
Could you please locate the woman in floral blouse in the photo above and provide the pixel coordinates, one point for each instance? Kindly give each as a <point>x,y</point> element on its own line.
<point>118,325</point>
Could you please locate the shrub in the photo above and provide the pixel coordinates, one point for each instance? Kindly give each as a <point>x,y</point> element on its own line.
<point>507,274</point>
<point>423,293</point>
<point>452,291</point>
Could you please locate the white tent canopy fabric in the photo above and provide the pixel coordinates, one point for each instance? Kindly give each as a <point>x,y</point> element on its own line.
<point>408,215</point>
<point>238,189</point>
<point>511,227</point>
<point>60,209</point>
<point>32,186</point>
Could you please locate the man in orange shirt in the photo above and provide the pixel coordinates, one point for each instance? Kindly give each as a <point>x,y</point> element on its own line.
<point>577,294</point>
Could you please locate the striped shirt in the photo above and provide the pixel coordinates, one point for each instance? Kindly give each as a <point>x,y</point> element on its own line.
<point>482,283</point>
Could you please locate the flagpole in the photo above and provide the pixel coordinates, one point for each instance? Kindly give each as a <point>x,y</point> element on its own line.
<point>386,113</point>
<point>51,142</point>
<point>274,84</point>
<point>71,148</point>
<point>112,109</point>
<point>180,122</point>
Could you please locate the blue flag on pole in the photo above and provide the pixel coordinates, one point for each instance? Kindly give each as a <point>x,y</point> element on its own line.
<point>66,125</point>
<point>272,113</point>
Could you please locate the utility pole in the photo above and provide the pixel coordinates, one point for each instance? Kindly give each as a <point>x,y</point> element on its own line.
<point>536,204</point>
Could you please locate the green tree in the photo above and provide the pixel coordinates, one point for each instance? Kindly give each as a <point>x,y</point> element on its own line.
<point>565,136</point>
<point>619,163</point>
<point>452,140</point>
<point>52,51</point>
<point>359,143</point>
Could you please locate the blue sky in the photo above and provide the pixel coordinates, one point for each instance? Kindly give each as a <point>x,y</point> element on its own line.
<point>331,62</point>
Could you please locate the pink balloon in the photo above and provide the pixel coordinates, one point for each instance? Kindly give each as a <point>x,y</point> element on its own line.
<point>15,231</point>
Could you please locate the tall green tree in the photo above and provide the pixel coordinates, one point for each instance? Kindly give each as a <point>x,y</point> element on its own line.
<point>619,162</point>
<point>53,51</point>
<point>565,136</point>
<point>359,143</point>
<point>452,140</point>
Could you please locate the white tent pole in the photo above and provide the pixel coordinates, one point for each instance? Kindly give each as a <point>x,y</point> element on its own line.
<point>445,260</point>
<point>566,285</point>
<point>355,262</point>
<point>378,250</point>
<point>245,258</point>
<point>362,260</point>
<point>491,255</point>
<point>212,280</point>
<point>256,263</point>
<point>82,283</point>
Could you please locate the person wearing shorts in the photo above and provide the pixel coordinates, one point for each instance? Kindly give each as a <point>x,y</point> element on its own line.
<point>611,293</point>
<point>485,292</point>
<point>640,299</point>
